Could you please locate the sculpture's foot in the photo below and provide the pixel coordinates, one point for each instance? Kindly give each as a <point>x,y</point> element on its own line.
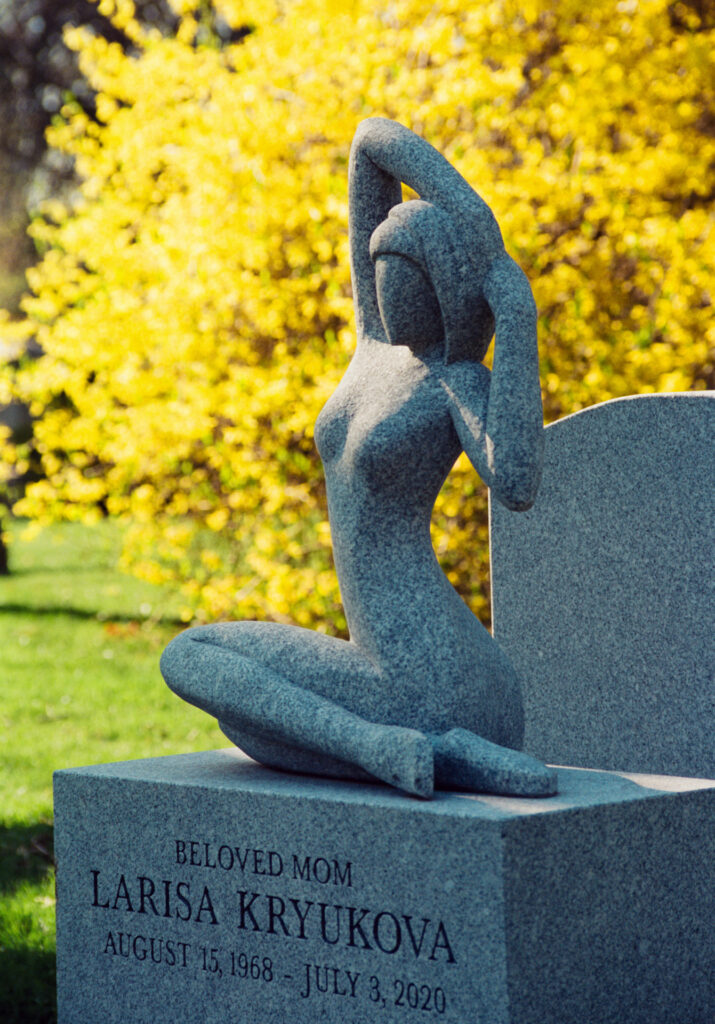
<point>400,757</point>
<point>403,758</point>
<point>466,761</point>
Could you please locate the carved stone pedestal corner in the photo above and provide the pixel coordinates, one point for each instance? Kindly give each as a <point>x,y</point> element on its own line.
<point>206,888</point>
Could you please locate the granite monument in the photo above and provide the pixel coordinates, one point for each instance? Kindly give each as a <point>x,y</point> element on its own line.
<point>206,887</point>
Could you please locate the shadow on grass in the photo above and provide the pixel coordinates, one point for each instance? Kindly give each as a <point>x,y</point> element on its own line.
<point>27,987</point>
<point>26,854</point>
<point>27,974</point>
<point>32,570</point>
<point>16,608</point>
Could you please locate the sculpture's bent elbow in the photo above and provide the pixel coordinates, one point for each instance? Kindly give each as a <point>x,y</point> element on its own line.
<point>516,487</point>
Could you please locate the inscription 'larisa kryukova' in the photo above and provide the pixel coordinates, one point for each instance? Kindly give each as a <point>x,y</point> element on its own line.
<point>296,919</point>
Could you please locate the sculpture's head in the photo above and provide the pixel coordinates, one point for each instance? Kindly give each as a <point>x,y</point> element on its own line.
<point>427,288</point>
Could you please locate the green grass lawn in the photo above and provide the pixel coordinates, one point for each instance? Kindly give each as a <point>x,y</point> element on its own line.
<point>80,684</point>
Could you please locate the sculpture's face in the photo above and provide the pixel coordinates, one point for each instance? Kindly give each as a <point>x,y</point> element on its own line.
<point>408,304</point>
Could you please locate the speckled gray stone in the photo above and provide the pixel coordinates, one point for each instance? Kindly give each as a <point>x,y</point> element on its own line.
<point>204,888</point>
<point>431,280</point>
<point>604,593</point>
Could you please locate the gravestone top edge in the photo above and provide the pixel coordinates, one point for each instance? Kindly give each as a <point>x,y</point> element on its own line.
<point>625,400</point>
<point>234,773</point>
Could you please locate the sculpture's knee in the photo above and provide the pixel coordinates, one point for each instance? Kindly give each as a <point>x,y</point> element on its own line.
<point>179,665</point>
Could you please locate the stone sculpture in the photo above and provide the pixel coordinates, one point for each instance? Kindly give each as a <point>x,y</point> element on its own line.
<point>421,694</point>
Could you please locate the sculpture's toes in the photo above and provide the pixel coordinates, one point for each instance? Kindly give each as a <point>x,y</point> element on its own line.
<point>464,760</point>
<point>404,758</point>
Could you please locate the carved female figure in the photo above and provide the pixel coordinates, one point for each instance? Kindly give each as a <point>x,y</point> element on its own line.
<point>421,693</point>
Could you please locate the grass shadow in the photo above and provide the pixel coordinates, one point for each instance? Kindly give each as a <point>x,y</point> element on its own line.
<point>28,986</point>
<point>27,974</point>
<point>31,570</point>
<point>17,608</point>
<point>26,854</point>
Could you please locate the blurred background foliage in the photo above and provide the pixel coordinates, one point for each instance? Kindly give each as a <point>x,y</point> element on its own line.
<point>190,295</point>
<point>37,72</point>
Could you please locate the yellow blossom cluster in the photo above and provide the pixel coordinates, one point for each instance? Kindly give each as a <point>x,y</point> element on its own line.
<point>193,300</point>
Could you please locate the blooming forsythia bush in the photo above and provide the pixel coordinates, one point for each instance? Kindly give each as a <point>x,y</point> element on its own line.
<point>193,301</point>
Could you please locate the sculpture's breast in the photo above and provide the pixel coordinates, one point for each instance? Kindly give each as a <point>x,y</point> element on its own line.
<point>332,425</point>
<point>386,443</point>
<point>386,430</point>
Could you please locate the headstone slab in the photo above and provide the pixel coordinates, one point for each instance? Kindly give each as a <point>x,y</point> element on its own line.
<point>604,592</point>
<point>206,888</point>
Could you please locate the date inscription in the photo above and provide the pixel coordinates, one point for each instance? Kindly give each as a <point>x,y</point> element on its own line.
<point>310,981</point>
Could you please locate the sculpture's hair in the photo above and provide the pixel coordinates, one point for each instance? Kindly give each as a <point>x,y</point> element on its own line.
<point>429,237</point>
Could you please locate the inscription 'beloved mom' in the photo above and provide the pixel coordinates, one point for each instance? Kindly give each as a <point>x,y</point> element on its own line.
<point>252,860</point>
<point>188,899</point>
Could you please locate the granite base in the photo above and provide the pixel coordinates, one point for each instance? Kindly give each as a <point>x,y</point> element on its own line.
<point>204,888</point>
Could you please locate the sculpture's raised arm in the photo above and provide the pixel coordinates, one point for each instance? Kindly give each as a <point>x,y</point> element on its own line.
<point>499,421</point>
<point>383,155</point>
<point>372,193</point>
<point>515,420</point>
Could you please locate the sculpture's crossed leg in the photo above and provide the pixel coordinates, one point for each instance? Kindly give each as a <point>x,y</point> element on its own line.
<point>284,723</point>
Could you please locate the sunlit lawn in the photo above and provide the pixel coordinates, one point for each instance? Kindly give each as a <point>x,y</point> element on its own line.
<point>80,684</point>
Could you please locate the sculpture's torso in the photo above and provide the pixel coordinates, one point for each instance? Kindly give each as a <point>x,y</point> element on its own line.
<point>387,443</point>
